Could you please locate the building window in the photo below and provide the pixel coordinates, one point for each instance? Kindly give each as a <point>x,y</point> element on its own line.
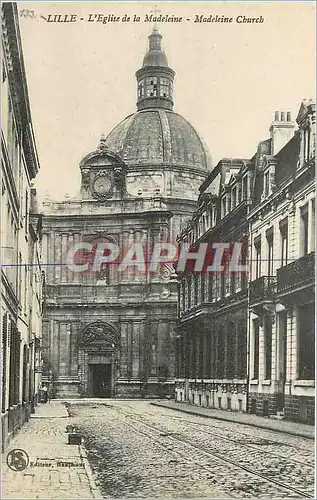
<point>245,188</point>
<point>304,230</point>
<point>234,197</point>
<point>141,88</point>
<point>313,227</point>
<point>268,347</point>
<point>284,242</point>
<point>237,282</point>
<point>215,287</point>
<point>230,350</point>
<point>307,140</point>
<point>203,288</point>
<point>189,288</point>
<point>220,362</point>
<point>196,289</point>
<point>210,287</point>
<point>241,351</point>
<point>183,291</point>
<point>227,283</point>
<point>306,348</point>
<point>152,86</point>
<point>224,206</point>
<point>269,239</point>
<point>256,346</point>
<point>164,87</point>
<point>266,183</point>
<point>257,246</point>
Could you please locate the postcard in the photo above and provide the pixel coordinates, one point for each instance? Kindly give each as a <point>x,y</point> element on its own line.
<point>158,249</point>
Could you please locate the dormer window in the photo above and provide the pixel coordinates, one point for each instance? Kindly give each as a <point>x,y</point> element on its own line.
<point>245,188</point>
<point>306,143</point>
<point>266,187</point>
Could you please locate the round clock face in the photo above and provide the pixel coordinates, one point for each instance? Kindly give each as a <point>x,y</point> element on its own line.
<point>102,185</point>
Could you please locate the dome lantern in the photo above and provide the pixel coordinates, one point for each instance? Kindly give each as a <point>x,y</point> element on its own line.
<point>155,78</point>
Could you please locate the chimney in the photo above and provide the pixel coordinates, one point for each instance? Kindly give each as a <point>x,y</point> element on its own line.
<point>281,130</point>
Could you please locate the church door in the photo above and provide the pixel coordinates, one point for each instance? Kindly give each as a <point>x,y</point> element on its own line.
<point>100,380</point>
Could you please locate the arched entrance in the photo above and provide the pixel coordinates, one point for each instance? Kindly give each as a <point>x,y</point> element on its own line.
<point>98,362</point>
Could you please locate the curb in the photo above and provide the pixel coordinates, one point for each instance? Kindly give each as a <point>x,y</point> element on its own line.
<point>223,419</point>
<point>92,484</point>
<point>96,493</point>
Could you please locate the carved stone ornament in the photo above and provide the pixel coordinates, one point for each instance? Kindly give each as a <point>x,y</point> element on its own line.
<point>85,178</point>
<point>98,333</point>
<point>102,186</point>
<point>166,270</point>
<point>119,176</point>
<point>102,144</point>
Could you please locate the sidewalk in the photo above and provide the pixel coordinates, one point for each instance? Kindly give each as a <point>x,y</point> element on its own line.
<point>285,426</point>
<point>56,470</point>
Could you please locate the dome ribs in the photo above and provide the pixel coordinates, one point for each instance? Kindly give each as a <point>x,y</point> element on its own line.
<point>158,136</point>
<point>166,137</point>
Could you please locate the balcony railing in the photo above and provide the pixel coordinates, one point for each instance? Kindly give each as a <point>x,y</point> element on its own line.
<point>299,273</point>
<point>263,289</point>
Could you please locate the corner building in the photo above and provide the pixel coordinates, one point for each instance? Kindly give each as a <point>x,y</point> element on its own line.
<point>21,274</point>
<point>247,343</point>
<point>282,270</point>
<point>111,333</point>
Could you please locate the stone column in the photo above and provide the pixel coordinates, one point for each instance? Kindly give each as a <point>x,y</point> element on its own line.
<point>124,350</point>
<point>58,256</point>
<point>129,348</point>
<point>136,349</point>
<point>63,349</point>
<point>311,227</point>
<point>142,349</point>
<point>125,239</point>
<point>54,348</point>
<point>261,351</point>
<point>73,349</point>
<point>64,270</point>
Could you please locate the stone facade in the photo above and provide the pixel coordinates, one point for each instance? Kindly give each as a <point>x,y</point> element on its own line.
<point>212,333</point>
<point>21,274</point>
<point>282,256</point>
<point>138,187</point>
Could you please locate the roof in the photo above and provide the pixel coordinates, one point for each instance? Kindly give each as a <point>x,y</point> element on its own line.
<point>158,136</point>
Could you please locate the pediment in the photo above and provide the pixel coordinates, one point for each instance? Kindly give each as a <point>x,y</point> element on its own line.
<point>102,157</point>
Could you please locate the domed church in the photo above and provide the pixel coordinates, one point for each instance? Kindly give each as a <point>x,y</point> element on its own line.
<point>110,331</point>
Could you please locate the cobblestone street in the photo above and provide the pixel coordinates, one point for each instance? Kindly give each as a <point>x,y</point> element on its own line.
<point>137,449</point>
<point>140,450</point>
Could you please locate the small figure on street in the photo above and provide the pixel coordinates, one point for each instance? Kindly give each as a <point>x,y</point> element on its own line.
<point>44,394</point>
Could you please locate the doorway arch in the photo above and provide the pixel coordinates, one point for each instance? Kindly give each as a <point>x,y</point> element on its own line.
<point>98,361</point>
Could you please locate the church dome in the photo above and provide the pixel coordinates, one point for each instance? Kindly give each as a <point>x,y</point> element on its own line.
<point>158,136</point>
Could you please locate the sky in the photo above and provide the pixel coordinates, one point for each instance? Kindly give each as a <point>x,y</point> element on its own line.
<point>230,77</point>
